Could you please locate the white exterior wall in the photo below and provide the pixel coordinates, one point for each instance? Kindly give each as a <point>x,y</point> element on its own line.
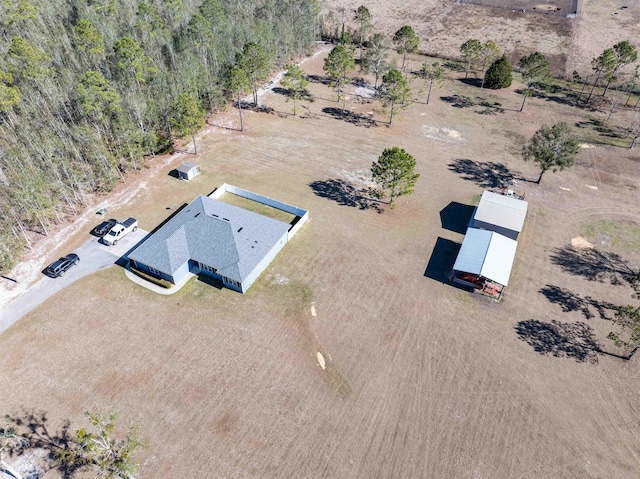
<point>180,272</point>
<point>303,215</point>
<point>262,265</point>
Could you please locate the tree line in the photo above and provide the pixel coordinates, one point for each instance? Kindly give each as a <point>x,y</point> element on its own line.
<point>88,90</point>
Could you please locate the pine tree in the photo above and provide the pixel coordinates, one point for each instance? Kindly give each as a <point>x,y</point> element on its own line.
<point>499,74</point>
<point>363,17</point>
<point>395,91</point>
<point>256,63</point>
<point>296,82</point>
<point>535,69</point>
<point>432,73</point>
<point>553,148</point>
<point>238,83</point>
<point>187,117</point>
<point>338,63</point>
<point>376,56</point>
<point>394,172</point>
<point>406,41</point>
<point>488,54</point>
<point>471,51</point>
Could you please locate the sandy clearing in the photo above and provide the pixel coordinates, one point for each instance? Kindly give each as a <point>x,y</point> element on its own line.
<point>321,361</point>
<point>580,243</point>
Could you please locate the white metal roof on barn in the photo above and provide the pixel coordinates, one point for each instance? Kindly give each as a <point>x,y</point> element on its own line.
<point>501,210</point>
<point>487,254</point>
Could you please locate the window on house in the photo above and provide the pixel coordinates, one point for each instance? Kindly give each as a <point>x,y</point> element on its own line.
<point>154,271</point>
<point>208,268</point>
<point>232,282</point>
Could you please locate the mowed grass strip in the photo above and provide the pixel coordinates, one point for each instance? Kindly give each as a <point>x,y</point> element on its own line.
<point>624,235</point>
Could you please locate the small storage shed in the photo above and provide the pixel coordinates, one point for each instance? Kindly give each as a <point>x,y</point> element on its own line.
<point>188,170</point>
<point>486,254</point>
<point>500,213</point>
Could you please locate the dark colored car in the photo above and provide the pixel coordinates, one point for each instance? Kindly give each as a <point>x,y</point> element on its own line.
<point>58,267</point>
<point>104,227</point>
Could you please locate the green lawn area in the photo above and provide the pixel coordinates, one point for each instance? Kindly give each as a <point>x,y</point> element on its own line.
<point>256,207</point>
<point>623,235</point>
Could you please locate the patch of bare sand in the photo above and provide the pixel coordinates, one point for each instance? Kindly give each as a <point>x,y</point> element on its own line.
<point>321,361</point>
<point>442,134</point>
<point>579,243</point>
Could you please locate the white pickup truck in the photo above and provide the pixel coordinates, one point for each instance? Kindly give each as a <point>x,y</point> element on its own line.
<point>119,231</point>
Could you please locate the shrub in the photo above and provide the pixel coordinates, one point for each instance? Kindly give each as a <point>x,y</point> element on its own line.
<point>499,74</point>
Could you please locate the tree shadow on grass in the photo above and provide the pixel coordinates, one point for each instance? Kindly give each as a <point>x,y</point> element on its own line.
<point>35,434</point>
<point>559,95</point>
<point>319,79</point>
<point>484,174</point>
<point>490,107</point>
<point>453,66</point>
<point>564,100</point>
<point>570,340</point>
<point>345,194</point>
<point>305,95</point>
<point>472,81</point>
<point>350,117</point>
<point>600,127</point>
<point>442,260</point>
<point>593,265</point>
<point>462,101</point>
<point>257,108</point>
<point>458,101</point>
<point>570,301</point>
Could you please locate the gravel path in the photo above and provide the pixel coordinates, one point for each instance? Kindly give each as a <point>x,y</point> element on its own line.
<point>94,256</point>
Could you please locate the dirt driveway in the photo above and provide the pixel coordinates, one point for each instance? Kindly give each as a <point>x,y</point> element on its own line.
<point>94,256</point>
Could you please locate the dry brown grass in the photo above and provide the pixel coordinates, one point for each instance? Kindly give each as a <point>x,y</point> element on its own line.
<point>422,379</point>
<point>443,26</point>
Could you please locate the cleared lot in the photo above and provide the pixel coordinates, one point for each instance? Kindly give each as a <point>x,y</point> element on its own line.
<point>444,25</point>
<point>421,379</point>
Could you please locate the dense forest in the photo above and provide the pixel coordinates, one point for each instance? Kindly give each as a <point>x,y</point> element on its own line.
<point>89,88</point>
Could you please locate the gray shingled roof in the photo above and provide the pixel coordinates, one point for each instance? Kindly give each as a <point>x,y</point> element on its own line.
<point>215,233</point>
<point>187,166</point>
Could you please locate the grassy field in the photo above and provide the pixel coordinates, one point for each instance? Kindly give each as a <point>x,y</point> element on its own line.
<point>421,379</point>
<point>621,235</point>
<point>444,25</point>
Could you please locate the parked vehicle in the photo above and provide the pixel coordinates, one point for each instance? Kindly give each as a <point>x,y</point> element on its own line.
<point>104,227</point>
<point>119,231</point>
<point>60,266</point>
